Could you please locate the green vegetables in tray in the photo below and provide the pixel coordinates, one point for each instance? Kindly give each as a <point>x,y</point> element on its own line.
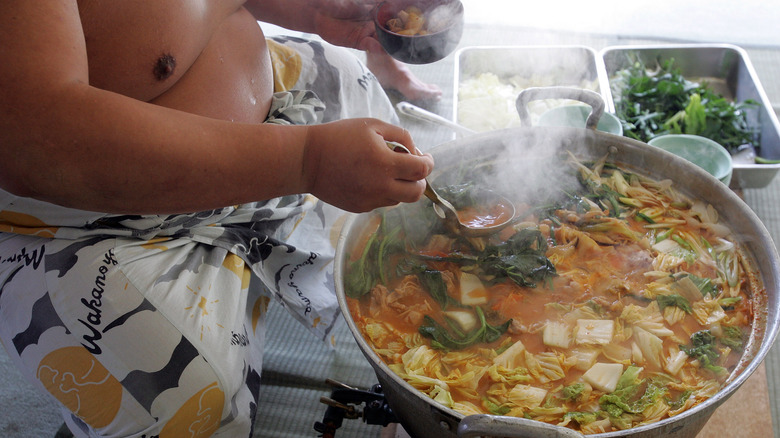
<point>653,102</point>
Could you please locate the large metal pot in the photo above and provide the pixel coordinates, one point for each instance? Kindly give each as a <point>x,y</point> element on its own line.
<point>422,417</point>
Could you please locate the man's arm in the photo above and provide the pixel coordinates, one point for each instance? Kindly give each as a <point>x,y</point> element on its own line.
<point>346,23</point>
<point>66,142</point>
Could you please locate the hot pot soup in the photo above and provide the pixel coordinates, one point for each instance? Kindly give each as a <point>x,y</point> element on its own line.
<point>614,302</point>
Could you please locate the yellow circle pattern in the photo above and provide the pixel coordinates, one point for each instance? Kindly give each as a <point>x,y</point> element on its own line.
<point>81,383</point>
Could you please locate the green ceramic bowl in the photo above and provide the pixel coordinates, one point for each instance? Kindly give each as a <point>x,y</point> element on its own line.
<point>574,116</point>
<point>706,153</point>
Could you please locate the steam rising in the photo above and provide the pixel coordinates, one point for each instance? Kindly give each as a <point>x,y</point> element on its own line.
<point>441,17</point>
<point>526,166</point>
<point>531,167</point>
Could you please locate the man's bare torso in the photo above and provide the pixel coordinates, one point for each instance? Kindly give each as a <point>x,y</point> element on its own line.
<point>202,56</point>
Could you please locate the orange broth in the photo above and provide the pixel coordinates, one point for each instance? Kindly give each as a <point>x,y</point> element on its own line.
<point>607,271</point>
<point>485,216</point>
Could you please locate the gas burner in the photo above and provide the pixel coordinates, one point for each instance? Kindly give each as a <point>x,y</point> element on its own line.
<point>344,402</point>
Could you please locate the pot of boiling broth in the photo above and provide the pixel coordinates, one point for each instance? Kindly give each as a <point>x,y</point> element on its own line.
<point>508,338</point>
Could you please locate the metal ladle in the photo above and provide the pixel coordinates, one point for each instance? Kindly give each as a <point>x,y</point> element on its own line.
<point>447,212</point>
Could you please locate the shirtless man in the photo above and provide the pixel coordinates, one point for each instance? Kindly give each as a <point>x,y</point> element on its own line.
<point>82,74</point>
<point>118,119</point>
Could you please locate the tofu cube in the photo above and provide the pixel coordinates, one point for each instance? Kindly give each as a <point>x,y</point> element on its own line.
<point>604,376</point>
<point>472,291</point>
<point>465,319</point>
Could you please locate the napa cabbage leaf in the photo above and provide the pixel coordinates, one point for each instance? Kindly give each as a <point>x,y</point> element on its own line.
<point>573,392</point>
<point>626,398</point>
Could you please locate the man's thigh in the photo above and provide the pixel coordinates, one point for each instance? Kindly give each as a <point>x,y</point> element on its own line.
<point>133,337</point>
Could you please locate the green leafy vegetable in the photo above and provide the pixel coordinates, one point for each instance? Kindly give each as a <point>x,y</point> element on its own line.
<point>497,409</point>
<point>680,402</point>
<point>574,391</point>
<point>728,303</point>
<point>609,199</point>
<point>364,273</point>
<point>388,244</point>
<point>732,337</point>
<point>675,301</point>
<point>360,277</point>
<point>728,266</point>
<point>705,285</point>
<point>568,201</point>
<point>663,101</point>
<point>703,349</point>
<point>520,258</point>
<point>582,418</point>
<point>461,195</point>
<point>434,284</point>
<point>624,399</point>
<point>695,120</point>
<point>442,339</point>
<point>599,193</point>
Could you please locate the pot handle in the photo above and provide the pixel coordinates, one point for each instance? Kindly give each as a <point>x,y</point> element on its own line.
<point>480,425</point>
<point>588,97</point>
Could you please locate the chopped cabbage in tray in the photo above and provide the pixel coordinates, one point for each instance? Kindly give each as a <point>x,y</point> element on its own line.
<point>487,102</point>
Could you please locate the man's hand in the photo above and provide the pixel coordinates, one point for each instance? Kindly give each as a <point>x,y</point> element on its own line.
<point>358,172</point>
<point>347,23</point>
<point>350,23</point>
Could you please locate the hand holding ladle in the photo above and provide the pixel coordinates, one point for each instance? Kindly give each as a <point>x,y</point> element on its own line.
<point>447,212</point>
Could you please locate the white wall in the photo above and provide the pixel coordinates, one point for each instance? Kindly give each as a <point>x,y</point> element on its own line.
<point>737,22</point>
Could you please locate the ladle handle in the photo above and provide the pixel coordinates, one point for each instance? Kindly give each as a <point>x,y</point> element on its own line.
<point>588,97</point>
<point>442,207</point>
<point>425,115</point>
<point>480,425</point>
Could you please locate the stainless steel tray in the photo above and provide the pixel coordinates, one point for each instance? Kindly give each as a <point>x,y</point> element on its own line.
<point>729,65</point>
<point>555,65</point>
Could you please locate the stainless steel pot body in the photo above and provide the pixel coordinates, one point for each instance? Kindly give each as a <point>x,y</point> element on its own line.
<point>422,417</point>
